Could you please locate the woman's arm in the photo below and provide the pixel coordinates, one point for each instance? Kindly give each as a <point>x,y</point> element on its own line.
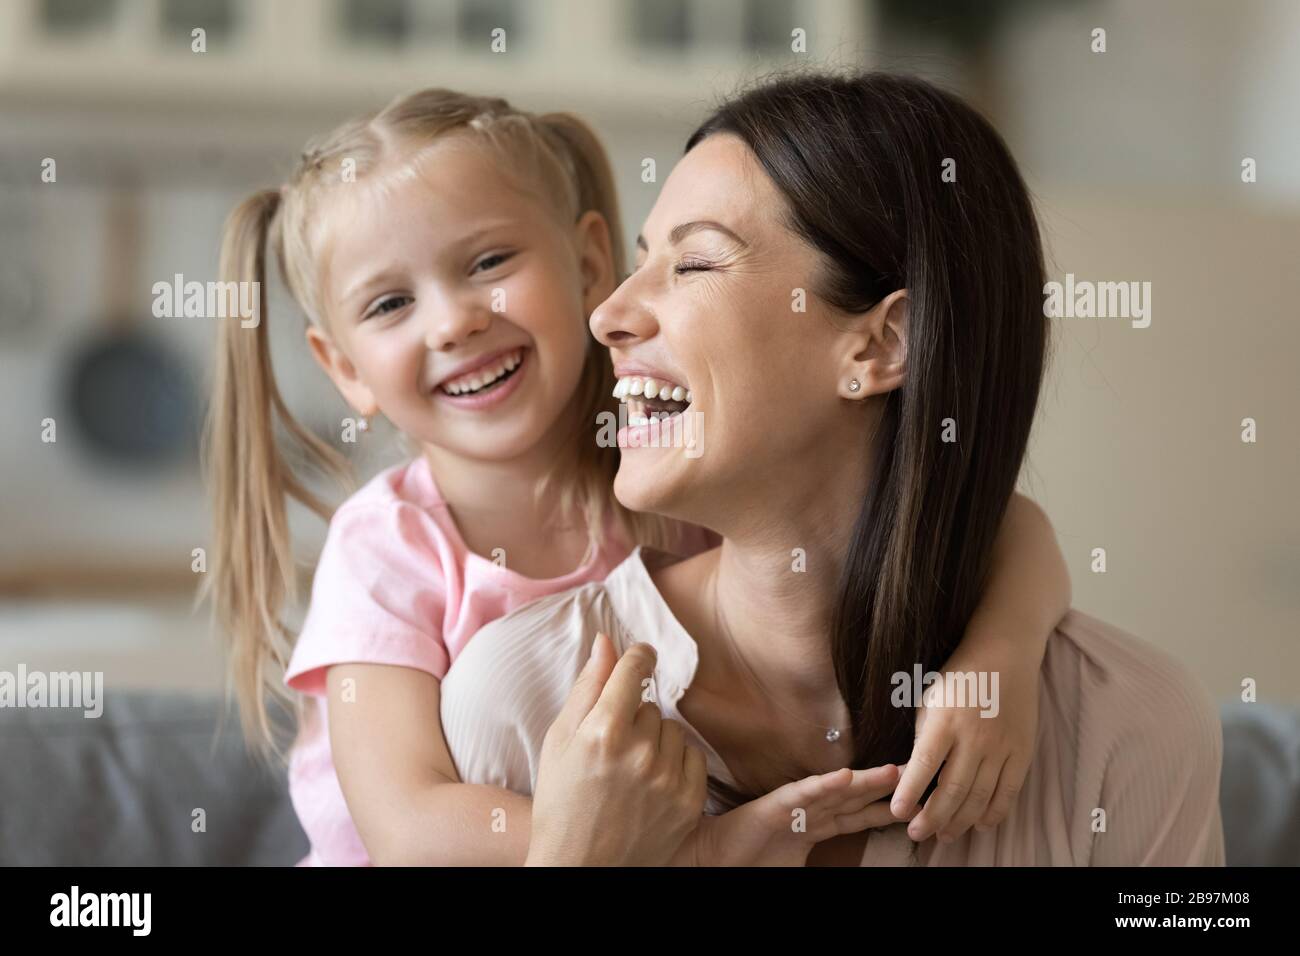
<point>400,782</point>
<point>985,759</point>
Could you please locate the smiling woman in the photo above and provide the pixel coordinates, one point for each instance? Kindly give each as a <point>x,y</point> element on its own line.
<point>830,435</point>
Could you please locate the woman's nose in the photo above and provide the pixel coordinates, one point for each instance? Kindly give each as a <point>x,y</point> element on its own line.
<point>623,317</point>
<point>453,323</point>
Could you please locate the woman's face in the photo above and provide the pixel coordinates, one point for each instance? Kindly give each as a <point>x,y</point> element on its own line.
<point>714,306</point>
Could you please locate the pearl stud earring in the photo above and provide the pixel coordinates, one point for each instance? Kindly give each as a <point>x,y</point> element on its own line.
<point>854,385</point>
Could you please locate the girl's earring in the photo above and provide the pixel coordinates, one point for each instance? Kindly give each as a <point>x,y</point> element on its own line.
<point>363,423</point>
<point>854,385</point>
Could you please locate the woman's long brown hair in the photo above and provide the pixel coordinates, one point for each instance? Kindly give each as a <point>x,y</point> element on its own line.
<point>861,160</point>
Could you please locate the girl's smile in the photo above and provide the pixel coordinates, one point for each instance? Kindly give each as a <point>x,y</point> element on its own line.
<point>488,384</point>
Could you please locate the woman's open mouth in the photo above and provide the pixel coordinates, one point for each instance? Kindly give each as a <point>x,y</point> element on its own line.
<point>651,400</point>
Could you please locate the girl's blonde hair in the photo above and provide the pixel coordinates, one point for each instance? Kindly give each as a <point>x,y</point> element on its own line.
<point>253,574</point>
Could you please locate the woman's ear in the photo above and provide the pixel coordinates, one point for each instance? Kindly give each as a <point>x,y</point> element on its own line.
<point>341,372</point>
<point>595,259</point>
<point>875,352</point>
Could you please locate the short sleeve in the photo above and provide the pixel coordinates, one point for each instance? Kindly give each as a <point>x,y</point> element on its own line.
<point>1161,787</point>
<point>378,596</point>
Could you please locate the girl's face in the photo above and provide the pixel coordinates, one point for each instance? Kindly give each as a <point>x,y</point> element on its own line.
<point>455,302</point>
<point>722,303</point>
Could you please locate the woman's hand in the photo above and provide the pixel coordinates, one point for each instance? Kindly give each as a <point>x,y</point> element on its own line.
<point>617,784</point>
<point>985,759</point>
<point>782,827</point>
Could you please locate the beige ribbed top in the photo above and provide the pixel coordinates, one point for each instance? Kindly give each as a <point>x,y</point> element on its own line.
<point>1123,728</point>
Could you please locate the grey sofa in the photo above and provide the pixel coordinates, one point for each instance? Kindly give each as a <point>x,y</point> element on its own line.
<point>124,788</point>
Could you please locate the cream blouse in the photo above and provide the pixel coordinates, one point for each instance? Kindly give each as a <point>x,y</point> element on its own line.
<point>1123,728</point>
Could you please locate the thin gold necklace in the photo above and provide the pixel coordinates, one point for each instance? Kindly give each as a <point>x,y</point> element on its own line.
<point>832,734</point>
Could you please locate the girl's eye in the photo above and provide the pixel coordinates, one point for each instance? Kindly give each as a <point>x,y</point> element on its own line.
<point>391,304</point>
<point>492,261</point>
<point>691,266</point>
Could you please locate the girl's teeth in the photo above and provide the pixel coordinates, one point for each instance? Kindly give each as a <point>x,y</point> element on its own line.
<point>678,394</point>
<point>637,387</point>
<point>484,377</point>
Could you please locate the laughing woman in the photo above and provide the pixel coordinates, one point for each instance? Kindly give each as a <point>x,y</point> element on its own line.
<point>880,429</point>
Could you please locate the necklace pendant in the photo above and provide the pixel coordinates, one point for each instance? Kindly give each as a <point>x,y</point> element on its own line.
<point>833,735</point>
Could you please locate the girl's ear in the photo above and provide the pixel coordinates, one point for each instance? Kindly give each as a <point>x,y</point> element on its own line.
<point>341,372</point>
<point>874,354</point>
<point>595,259</point>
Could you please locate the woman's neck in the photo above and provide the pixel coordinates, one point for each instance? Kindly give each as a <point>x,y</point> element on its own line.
<point>778,573</point>
<point>774,612</point>
<point>760,608</point>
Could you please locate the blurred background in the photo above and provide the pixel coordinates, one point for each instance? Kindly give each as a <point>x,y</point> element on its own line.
<point>1135,156</point>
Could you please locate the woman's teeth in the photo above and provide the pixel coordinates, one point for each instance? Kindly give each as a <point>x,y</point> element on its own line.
<point>638,392</point>
<point>483,377</point>
<point>651,389</point>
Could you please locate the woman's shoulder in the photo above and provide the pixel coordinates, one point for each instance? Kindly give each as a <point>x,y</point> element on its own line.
<point>1145,741</point>
<point>529,656</point>
<point>511,680</point>
<point>1114,664</point>
<point>1127,683</point>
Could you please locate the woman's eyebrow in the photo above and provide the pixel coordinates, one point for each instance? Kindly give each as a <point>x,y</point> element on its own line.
<point>689,228</point>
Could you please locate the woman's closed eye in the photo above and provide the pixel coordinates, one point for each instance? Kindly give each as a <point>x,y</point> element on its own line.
<point>692,265</point>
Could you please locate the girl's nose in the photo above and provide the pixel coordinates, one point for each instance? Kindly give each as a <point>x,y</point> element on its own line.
<point>453,324</point>
<point>623,317</point>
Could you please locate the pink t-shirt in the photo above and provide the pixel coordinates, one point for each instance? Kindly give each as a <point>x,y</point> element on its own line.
<point>396,584</point>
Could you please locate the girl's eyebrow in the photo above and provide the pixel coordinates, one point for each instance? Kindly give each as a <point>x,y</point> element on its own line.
<point>469,239</point>
<point>690,228</point>
<point>364,284</point>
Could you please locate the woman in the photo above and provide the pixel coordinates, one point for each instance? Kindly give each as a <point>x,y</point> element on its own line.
<point>847,275</point>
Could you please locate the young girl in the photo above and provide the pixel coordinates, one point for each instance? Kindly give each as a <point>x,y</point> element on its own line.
<point>447,252</point>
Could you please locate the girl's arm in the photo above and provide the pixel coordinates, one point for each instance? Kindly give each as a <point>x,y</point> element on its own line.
<point>400,783</point>
<point>985,758</point>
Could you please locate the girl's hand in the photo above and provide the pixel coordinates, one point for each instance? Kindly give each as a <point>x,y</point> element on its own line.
<point>984,759</point>
<point>782,827</point>
<point>617,785</point>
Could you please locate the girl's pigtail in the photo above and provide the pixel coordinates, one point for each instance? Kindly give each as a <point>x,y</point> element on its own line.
<point>590,492</point>
<point>253,575</point>
<point>593,175</point>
